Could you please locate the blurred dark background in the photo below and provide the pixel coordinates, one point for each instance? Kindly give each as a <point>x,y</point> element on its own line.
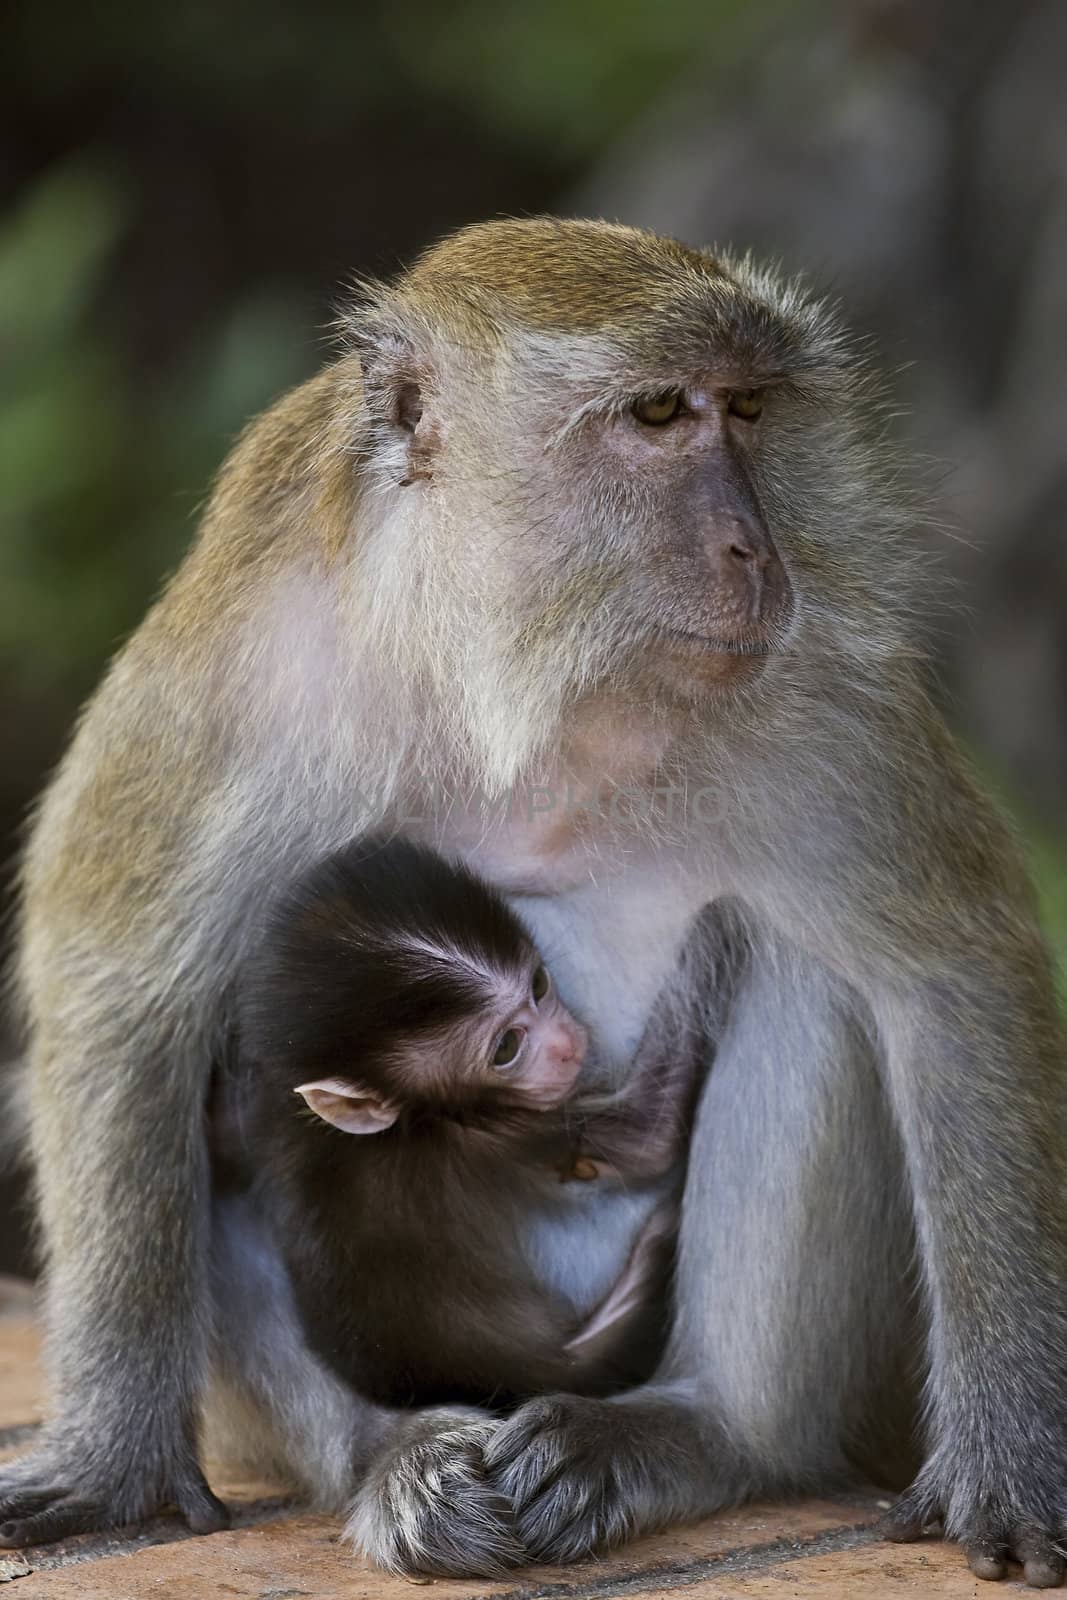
<point>185,190</point>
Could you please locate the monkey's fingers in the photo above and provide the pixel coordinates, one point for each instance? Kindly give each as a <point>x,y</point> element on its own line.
<point>58,1521</point>
<point>901,1530</point>
<point>582,1473</point>
<point>426,1506</point>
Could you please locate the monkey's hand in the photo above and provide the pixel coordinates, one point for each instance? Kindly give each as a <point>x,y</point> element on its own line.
<point>992,1529</point>
<point>427,1505</point>
<point>61,1490</point>
<point>583,1474</point>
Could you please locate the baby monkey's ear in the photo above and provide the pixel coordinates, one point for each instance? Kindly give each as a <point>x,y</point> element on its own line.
<point>349,1106</point>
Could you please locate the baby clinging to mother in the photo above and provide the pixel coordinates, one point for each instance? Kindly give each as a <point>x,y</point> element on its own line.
<point>594,525</point>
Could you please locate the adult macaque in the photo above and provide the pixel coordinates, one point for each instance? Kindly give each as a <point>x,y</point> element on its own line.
<point>581,511</point>
<point>403,1000</point>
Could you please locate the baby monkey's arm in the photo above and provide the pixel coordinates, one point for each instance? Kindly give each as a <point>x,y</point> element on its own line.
<point>641,1131</point>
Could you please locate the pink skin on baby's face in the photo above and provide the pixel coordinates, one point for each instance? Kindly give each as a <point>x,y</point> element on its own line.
<point>540,1052</point>
<point>527,1045</point>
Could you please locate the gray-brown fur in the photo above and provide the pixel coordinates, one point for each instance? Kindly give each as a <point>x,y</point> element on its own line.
<point>386,970</point>
<point>457,562</point>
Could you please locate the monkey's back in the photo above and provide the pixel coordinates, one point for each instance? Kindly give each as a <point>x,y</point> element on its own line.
<point>406,1255</point>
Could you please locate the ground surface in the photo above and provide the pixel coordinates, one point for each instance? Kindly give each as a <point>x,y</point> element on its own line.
<point>816,1550</point>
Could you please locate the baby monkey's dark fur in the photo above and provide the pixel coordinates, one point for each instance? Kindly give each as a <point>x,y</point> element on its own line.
<point>384,972</point>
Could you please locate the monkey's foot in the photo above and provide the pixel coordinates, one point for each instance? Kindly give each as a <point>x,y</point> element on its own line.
<point>584,1475</point>
<point>46,1496</point>
<point>990,1535</point>
<point>427,1505</point>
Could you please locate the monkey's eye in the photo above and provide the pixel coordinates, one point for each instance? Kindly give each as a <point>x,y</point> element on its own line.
<point>508,1046</point>
<point>655,412</point>
<point>745,403</point>
<point>540,984</point>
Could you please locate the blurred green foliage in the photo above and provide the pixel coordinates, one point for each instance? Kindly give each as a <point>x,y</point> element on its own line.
<point>556,72</point>
<point>565,75</point>
<point>98,479</point>
<point>1045,850</point>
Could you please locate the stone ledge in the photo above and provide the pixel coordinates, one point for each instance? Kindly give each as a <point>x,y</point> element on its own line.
<point>824,1549</point>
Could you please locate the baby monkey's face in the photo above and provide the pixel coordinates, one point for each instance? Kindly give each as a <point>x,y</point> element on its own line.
<point>518,1045</point>
<point>527,1043</point>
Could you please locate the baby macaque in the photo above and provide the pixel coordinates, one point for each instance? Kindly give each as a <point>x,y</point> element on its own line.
<point>407,1079</point>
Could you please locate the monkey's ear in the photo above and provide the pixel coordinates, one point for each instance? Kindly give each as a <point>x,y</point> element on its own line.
<point>349,1106</point>
<point>395,392</point>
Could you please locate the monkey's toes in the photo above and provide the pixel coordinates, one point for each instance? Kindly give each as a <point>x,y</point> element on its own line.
<point>911,1517</point>
<point>990,1549</point>
<point>1043,1565</point>
<point>989,1553</point>
<point>44,1518</point>
<point>43,1497</point>
<point>990,1543</point>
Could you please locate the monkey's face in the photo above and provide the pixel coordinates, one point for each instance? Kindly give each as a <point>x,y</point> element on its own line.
<point>531,1048</point>
<point>627,464</point>
<point>705,591</point>
<point>620,530</point>
<point>520,1048</point>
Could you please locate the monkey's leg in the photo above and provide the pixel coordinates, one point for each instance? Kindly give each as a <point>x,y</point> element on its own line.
<point>275,1406</point>
<point>126,1253</point>
<point>630,1293</point>
<point>791,1270</point>
<point>976,1072</point>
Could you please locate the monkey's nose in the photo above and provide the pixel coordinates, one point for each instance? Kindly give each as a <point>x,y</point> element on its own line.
<point>747,564</point>
<point>568,1045</point>
<point>744,545</point>
<point>740,540</point>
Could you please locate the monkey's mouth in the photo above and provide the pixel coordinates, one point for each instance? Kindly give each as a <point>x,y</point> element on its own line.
<point>718,644</point>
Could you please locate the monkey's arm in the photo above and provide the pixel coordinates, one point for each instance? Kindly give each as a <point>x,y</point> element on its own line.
<point>127,1293</point>
<point>154,843</point>
<point>641,1131</point>
<point>118,1068</point>
<point>975,1073</point>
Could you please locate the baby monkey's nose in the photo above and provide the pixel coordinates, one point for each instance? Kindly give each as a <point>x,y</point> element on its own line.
<point>568,1043</point>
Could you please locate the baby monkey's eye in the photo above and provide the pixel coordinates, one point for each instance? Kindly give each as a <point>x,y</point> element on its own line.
<point>745,403</point>
<point>540,984</point>
<point>658,410</point>
<point>507,1047</point>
